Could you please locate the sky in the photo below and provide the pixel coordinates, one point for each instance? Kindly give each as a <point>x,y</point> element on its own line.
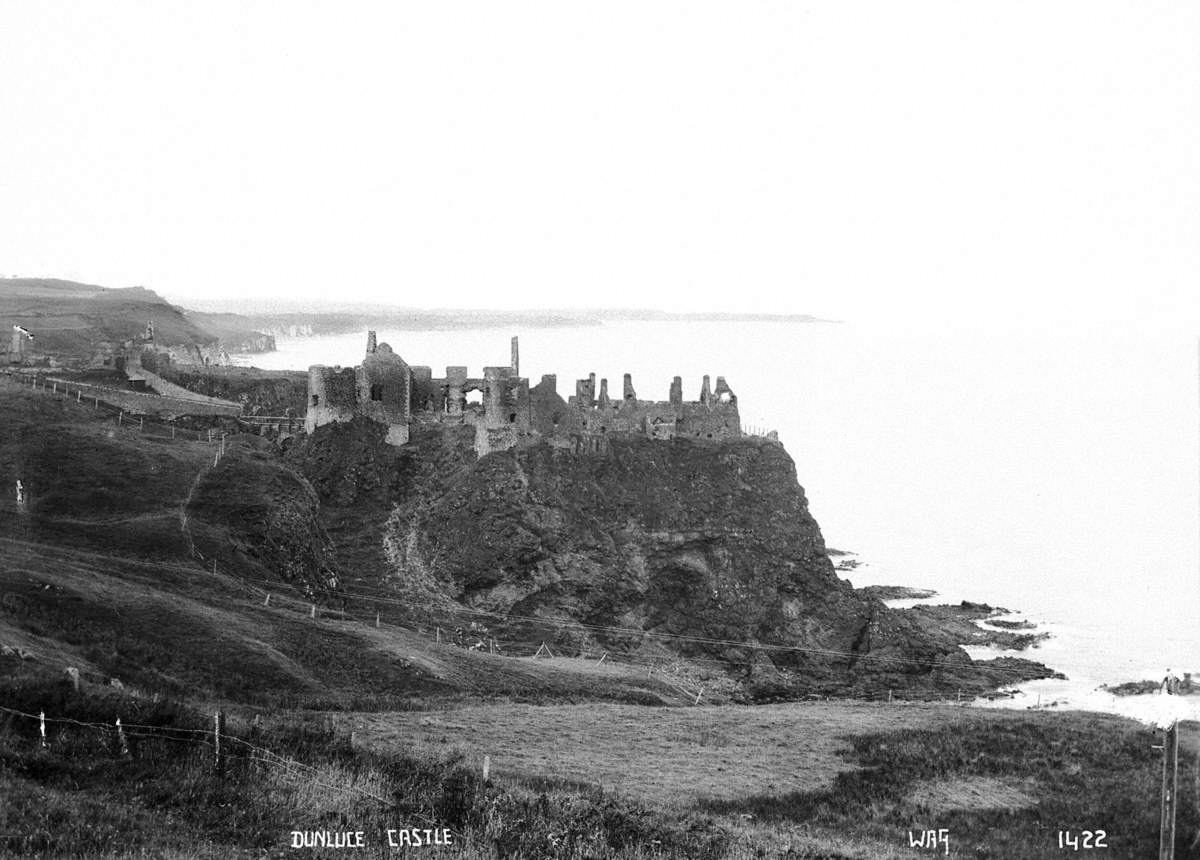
<point>904,162</point>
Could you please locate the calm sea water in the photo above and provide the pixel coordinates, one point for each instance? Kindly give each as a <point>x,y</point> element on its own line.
<point>1056,474</point>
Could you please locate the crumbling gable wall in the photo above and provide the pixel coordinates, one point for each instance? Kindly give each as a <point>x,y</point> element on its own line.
<point>506,418</point>
<point>714,416</point>
<point>383,391</point>
<point>550,416</point>
<point>332,395</point>
<point>425,395</point>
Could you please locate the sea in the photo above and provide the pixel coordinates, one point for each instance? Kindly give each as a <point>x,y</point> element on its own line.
<point>1051,472</point>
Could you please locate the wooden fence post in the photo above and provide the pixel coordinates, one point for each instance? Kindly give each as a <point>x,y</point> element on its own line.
<point>218,730</point>
<point>267,602</point>
<point>42,726</point>
<point>1166,832</point>
<point>376,620</point>
<point>439,636</point>
<point>121,742</point>
<point>487,768</point>
<point>312,612</point>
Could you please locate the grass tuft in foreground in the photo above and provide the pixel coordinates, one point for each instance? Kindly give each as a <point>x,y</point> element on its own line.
<point>83,798</point>
<point>1002,788</point>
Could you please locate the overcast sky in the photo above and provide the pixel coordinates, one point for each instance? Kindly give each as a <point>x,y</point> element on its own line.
<point>883,160</point>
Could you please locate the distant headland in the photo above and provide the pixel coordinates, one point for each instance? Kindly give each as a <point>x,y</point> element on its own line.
<point>69,321</point>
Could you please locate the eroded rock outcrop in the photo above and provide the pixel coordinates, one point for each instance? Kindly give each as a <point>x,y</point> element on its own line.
<point>708,550</point>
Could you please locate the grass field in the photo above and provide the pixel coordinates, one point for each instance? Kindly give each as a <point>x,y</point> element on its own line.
<point>687,754</point>
<point>819,780</point>
<point>851,778</point>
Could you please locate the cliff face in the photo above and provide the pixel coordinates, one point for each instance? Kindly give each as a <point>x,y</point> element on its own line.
<point>710,547</point>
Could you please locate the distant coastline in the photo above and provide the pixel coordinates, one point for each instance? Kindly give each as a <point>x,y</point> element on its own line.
<point>75,321</point>
<point>303,320</point>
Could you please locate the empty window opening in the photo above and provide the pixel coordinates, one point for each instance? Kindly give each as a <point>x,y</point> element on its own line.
<point>475,398</point>
<point>512,418</point>
<point>377,391</point>
<point>315,400</point>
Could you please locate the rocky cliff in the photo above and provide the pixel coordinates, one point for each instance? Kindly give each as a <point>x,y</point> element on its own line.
<point>706,552</point>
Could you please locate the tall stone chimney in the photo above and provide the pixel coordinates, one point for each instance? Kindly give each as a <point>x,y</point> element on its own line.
<point>516,358</point>
<point>370,342</point>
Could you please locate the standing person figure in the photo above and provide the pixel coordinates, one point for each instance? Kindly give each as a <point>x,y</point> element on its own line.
<point>1170,684</point>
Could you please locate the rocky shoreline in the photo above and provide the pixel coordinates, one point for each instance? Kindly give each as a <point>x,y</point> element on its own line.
<point>895,592</point>
<point>957,625</point>
<point>1187,686</point>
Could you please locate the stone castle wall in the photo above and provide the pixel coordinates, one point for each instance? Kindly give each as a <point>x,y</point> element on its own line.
<point>510,413</point>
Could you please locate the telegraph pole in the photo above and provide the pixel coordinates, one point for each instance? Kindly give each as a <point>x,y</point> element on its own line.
<point>1166,839</point>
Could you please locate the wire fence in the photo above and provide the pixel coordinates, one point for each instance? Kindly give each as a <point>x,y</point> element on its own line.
<point>128,400</point>
<point>222,746</point>
<point>157,415</point>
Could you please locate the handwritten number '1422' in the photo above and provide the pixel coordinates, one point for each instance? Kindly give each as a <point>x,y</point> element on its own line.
<point>1085,839</point>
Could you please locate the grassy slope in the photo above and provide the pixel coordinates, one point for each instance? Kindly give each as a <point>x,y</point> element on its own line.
<point>100,576</point>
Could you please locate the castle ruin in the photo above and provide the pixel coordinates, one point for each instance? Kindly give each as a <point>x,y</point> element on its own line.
<point>510,412</point>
